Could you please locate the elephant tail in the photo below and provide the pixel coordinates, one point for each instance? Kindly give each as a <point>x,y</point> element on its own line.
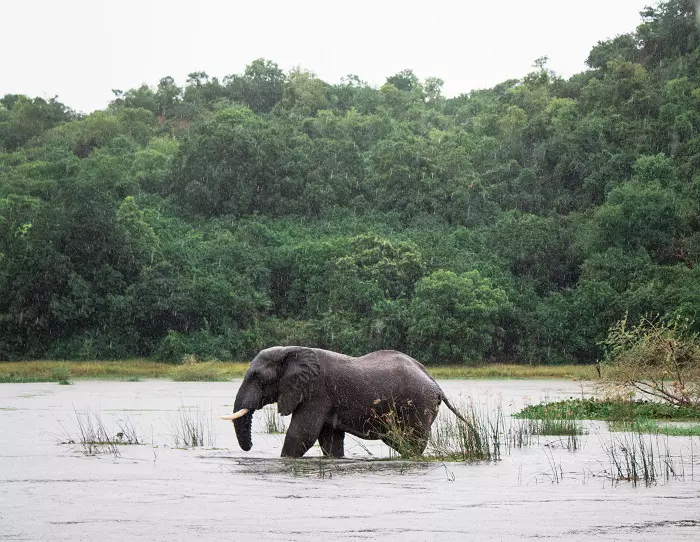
<point>454,410</point>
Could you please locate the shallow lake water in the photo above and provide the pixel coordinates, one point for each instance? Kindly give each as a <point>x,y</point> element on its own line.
<point>159,491</point>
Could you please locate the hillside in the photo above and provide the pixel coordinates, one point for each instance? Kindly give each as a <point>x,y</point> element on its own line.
<point>212,219</point>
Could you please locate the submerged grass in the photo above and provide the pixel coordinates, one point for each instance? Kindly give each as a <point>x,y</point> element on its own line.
<point>486,435</point>
<point>138,368</point>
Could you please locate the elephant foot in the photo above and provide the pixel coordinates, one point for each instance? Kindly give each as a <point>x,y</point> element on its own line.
<point>332,442</point>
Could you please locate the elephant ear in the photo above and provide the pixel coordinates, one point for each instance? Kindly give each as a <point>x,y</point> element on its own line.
<point>300,369</point>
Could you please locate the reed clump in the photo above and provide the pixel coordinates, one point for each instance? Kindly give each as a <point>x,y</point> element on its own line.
<point>192,428</point>
<point>94,437</point>
<point>637,457</point>
<point>272,421</point>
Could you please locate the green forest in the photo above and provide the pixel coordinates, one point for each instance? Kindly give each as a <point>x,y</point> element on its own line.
<point>219,216</point>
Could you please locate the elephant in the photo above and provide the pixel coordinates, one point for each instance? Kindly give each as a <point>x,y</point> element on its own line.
<point>383,395</point>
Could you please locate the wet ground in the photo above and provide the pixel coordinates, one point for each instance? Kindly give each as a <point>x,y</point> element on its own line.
<point>157,491</point>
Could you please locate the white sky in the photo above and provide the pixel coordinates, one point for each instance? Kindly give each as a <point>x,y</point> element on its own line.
<point>81,49</point>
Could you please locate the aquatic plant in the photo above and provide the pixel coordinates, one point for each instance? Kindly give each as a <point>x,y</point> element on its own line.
<point>93,437</point>
<point>653,426</point>
<point>61,373</point>
<point>609,409</point>
<point>637,457</point>
<point>192,428</point>
<point>272,421</point>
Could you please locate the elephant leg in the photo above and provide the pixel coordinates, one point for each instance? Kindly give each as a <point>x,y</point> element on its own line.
<point>303,432</point>
<point>332,441</point>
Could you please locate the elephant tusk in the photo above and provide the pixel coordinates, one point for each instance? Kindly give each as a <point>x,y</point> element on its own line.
<point>242,412</point>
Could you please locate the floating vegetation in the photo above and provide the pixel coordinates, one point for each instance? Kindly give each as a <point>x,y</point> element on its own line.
<point>327,468</point>
<point>653,426</point>
<point>608,409</point>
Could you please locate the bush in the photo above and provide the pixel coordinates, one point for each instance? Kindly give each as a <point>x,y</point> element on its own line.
<point>657,357</point>
<point>202,345</point>
<point>62,374</point>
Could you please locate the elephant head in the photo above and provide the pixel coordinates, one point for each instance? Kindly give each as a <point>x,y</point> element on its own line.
<point>279,374</point>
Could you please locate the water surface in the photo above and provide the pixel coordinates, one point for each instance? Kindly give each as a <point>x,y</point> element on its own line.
<point>51,491</point>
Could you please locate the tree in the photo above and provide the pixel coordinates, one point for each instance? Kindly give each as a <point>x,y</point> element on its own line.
<point>452,318</point>
<point>642,215</point>
<point>23,118</point>
<point>657,357</point>
<point>405,80</point>
<point>238,163</point>
<point>304,94</point>
<point>260,87</point>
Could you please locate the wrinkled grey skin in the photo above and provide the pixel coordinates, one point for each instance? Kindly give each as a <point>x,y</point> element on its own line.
<point>330,394</point>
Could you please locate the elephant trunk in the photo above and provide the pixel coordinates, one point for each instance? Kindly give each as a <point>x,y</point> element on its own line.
<point>249,397</point>
<point>243,426</point>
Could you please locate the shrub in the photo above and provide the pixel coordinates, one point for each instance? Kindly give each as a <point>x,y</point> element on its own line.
<point>657,357</point>
<point>62,374</point>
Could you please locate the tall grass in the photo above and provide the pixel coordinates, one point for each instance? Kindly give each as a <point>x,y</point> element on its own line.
<point>272,421</point>
<point>514,371</point>
<point>638,457</point>
<point>479,439</point>
<point>192,428</point>
<point>131,369</point>
<point>486,435</point>
<point>93,437</point>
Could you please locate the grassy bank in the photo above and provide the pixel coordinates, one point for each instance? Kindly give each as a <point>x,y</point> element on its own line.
<point>132,369</point>
<point>498,370</point>
<point>139,369</point>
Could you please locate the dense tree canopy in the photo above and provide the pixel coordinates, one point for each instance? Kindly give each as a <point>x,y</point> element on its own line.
<point>224,215</point>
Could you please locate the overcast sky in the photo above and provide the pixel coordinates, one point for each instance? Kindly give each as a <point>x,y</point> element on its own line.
<point>81,49</point>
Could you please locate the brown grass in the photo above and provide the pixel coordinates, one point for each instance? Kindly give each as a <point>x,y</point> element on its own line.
<point>138,369</point>
<point>514,371</point>
<point>132,369</point>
